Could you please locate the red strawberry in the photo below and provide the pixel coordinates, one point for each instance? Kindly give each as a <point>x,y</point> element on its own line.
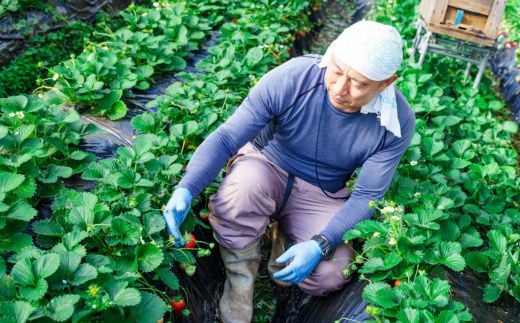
<point>191,241</point>
<point>178,304</point>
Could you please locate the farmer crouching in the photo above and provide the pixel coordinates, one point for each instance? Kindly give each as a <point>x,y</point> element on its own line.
<point>291,146</point>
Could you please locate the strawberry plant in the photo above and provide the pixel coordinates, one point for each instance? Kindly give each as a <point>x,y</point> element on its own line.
<point>401,245</point>
<point>456,187</point>
<point>38,143</point>
<point>8,5</point>
<point>155,39</point>
<point>103,255</point>
<point>419,300</point>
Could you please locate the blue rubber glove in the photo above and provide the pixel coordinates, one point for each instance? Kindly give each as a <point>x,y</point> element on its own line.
<point>175,213</point>
<point>303,257</point>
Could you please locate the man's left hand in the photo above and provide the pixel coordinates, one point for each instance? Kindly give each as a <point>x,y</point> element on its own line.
<point>303,258</point>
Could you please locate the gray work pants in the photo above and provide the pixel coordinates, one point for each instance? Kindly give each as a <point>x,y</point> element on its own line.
<point>247,200</point>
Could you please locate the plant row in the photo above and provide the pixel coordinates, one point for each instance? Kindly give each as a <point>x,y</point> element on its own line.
<point>19,6</point>
<point>39,138</point>
<point>154,40</point>
<point>25,72</point>
<point>103,255</point>
<point>453,204</point>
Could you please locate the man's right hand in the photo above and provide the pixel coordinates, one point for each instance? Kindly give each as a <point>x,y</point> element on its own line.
<point>175,213</point>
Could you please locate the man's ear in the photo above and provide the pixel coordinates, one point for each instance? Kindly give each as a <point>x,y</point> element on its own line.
<point>386,83</point>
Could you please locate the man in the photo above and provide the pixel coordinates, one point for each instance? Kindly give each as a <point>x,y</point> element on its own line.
<point>300,134</point>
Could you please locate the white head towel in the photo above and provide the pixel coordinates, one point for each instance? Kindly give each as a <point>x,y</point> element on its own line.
<point>375,51</point>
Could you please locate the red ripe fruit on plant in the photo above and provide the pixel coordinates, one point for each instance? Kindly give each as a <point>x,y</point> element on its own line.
<point>397,282</point>
<point>178,305</point>
<point>191,241</point>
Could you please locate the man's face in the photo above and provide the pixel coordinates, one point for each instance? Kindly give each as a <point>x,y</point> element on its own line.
<point>349,90</point>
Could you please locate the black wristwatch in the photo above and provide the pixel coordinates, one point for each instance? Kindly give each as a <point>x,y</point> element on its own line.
<point>326,249</point>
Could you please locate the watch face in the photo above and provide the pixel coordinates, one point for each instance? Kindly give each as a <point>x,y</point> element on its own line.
<point>327,253</point>
<point>324,244</point>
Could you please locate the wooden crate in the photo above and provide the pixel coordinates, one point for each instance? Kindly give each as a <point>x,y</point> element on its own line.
<point>479,24</point>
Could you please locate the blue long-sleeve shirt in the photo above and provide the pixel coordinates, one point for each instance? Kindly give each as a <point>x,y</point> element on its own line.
<point>286,110</point>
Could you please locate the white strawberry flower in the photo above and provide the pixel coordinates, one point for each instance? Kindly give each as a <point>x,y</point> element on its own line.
<point>413,162</point>
<point>388,209</point>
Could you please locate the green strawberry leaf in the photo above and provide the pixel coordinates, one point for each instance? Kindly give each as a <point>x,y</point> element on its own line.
<point>153,223</point>
<point>168,277</point>
<point>8,288</point>
<point>124,232</point>
<point>53,172</point>
<point>22,273</point>
<point>36,292</point>
<point>470,240</point>
<point>149,310</point>
<point>430,146</point>
<point>10,181</point>
<point>3,132</point>
<point>370,292</point>
<point>447,317</point>
<point>19,310</point>
<point>117,111</point>
<point>15,242</point>
<point>61,308</point>
<point>23,132</point>
<point>371,265</point>
<point>22,211</point>
<point>144,123</point>
<point>497,241</point>
<point>478,261</point>
<point>27,189</point>
<point>254,56</point>
<point>127,297</point>
<point>516,292</point>
<point>460,146</point>
<point>365,229</point>
<point>449,252</point>
<point>46,265</point>
<point>149,257</point>
<point>56,97</point>
<point>83,274</point>
<point>409,315</point>
<point>82,217</point>
<point>85,199</point>
<point>510,126</point>
<point>491,293</point>
<point>69,262</point>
